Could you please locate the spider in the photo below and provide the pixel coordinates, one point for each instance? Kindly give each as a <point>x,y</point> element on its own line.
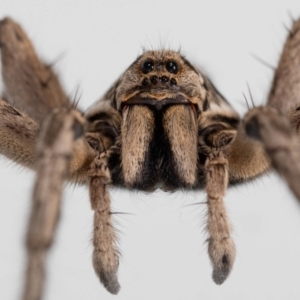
<point>162,125</point>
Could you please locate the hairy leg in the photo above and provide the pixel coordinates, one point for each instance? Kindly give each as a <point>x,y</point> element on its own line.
<point>221,247</point>
<point>18,134</point>
<point>285,91</point>
<point>277,124</point>
<point>32,91</point>
<point>105,256</point>
<point>246,157</point>
<point>280,142</point>
<point>54,150</point>
<point>30,85</point>
<point>218,130</point>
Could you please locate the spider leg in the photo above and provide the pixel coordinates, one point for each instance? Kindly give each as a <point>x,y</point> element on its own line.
<point>30,85</point>
<point>280,142</point>
<point>18,135</point>
<point>54,152</point>
<point>105,255</point>
<point>277,124</point>
<point>32,91</point>
<point>246,157</point>
<point>218,128</point>
<point>221,247</point>
<point>285,91</point>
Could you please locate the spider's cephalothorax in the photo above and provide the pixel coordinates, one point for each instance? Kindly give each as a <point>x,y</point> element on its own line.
<point>161,125</point>
<point>170,113</point>
<point>158,103</point>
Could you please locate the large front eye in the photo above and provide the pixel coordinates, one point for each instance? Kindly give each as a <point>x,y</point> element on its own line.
<point>172,66</point>
<point>147,66</point>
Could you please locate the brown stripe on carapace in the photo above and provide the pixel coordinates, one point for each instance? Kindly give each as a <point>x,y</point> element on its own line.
<point>133,89</point>
<point>211,129</point>
<point>232,121</point>
<point>98,116</point>
<point>106,129</point>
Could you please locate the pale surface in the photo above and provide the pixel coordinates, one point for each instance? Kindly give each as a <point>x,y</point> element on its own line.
<point>162,238</point>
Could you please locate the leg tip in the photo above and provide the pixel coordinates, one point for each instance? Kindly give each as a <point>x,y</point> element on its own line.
<point>110,282</point>
<point>220,275</point>
<point>222,269</point>
<point>222,257</point>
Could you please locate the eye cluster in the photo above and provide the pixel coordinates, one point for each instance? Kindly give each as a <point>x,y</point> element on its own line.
<point>148,66</point>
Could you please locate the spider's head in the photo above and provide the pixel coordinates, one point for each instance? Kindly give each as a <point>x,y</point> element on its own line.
<point>158,78</point>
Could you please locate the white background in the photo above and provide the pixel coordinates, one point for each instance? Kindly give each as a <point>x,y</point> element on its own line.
<point>162,237</point>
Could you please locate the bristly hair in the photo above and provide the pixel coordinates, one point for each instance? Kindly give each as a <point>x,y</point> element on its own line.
<point>291,16</point>
<point>180,52</point>
<point>251,97</point>
<point>76,98</point>
<point>163,44</point>
<point>263,62</point>
<point>58,58</point>
<point>75,102</point>
<point>246,101</point>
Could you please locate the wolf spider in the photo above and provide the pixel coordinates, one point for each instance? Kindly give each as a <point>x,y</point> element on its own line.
<point>161,125</point>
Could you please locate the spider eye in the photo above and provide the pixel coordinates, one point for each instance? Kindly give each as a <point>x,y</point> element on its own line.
<point>147,66</point>
<point>172,66</point>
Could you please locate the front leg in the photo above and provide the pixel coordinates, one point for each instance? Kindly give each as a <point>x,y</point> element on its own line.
<point>279,140</point>
<point>215,139</point>
<point>105,255</point>
<point>221,248</point>
<point>277,124</point>
<point>54,152</point>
